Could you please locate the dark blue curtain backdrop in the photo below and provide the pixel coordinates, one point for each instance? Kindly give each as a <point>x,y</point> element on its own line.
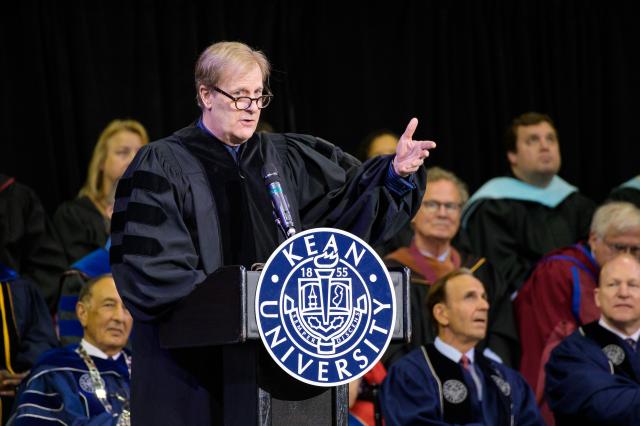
<point>464,68</point>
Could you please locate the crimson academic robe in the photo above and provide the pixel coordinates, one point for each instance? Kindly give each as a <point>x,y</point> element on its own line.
<point>556,299</point>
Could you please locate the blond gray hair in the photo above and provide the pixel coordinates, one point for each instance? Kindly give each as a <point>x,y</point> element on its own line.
<point>435,174</point>
<point>92,187</point>
<point>615,216</point>
<point>221,57</point>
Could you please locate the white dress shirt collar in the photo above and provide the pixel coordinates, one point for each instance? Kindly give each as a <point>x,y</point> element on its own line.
<point>96,352</point>
<point>617,332</point>
<point>452,353</point>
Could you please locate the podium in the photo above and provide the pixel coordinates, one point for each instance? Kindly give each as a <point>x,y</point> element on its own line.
<point>220,312</point>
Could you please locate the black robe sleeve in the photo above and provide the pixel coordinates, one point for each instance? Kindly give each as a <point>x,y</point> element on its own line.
<point>153,255</point>
<point>81,228</point>
<point>631,195</point>
<point>334,189</point>
<point>514,234</point>
<point>28,242</point>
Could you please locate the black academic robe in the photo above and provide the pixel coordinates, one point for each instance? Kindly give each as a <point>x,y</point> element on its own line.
<point>515,234</point>
<point>169,233</point>
<point>593,378</point>
<point>626,193</point>
<point>502,336</point>
<point>81,228</point>
<point>27,239</point>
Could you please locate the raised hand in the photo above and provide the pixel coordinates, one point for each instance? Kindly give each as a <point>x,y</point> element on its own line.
<point>410,154</point>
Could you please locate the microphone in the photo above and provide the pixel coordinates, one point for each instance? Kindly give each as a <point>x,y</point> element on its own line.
<point>279,201</point>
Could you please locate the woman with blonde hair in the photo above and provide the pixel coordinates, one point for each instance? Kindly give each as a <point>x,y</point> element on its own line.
<point>83,224</point>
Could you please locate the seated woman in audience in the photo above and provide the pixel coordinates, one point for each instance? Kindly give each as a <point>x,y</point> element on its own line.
<point>83,224</point>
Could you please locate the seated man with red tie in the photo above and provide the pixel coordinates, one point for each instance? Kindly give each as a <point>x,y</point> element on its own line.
<point>449,382</point>
<point>593,376</point>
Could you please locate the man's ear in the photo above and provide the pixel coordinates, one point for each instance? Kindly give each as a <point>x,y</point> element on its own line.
<point>205,96</point>
<point>593,238</point>
<point>82,313</point>
<point>441,314</point>
<point>512,158</point>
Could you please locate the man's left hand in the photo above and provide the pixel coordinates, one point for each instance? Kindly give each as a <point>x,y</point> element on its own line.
<point>410,154</point>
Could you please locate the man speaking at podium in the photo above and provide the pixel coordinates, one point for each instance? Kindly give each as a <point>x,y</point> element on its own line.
<point>196,200</point>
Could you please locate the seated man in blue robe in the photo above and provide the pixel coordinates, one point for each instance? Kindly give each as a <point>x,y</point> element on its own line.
<point>593,376</point>
<point>88,382</point>
<point>449,382</point>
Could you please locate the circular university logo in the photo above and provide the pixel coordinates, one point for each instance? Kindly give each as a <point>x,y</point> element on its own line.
<point>325,307</point>
<point>615,354</point>
<point>454,391</point>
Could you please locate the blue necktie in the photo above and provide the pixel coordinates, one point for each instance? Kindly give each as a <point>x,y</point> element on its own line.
<point>632,343</point>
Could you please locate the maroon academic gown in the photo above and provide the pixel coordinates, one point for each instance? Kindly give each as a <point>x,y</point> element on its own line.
<point>557,297</point>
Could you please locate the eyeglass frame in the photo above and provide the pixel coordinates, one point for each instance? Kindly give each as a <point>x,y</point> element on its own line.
<point>435,206</point>
<point>623,248</point>
<point>251,100</point>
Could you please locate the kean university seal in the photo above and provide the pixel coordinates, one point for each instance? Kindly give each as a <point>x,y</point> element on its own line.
<point>325,307</point>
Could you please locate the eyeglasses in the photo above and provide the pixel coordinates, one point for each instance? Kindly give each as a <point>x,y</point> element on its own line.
<point>624,248</point>
<point>434,206</point>
<point>244,102</point>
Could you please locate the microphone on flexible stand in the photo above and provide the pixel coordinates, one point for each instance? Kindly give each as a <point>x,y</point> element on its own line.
<point>281,210</point>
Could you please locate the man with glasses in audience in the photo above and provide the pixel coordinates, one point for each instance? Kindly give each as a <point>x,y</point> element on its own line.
<point>431,255</point>
<point>593,376</point>
<point>558,297</point>
<point>196,201</point>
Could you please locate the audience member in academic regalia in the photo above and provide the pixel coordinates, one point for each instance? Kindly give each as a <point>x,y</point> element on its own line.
<point>431,255</point>
<point>27,239</point>
<point>628,191</point>
<point>27,332</point>
<point>514,221</point>
<point>593,376</point>
<point>83,224</point>
<point>450,382</point>
<point>86,383</point>
<point>558,297</point>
